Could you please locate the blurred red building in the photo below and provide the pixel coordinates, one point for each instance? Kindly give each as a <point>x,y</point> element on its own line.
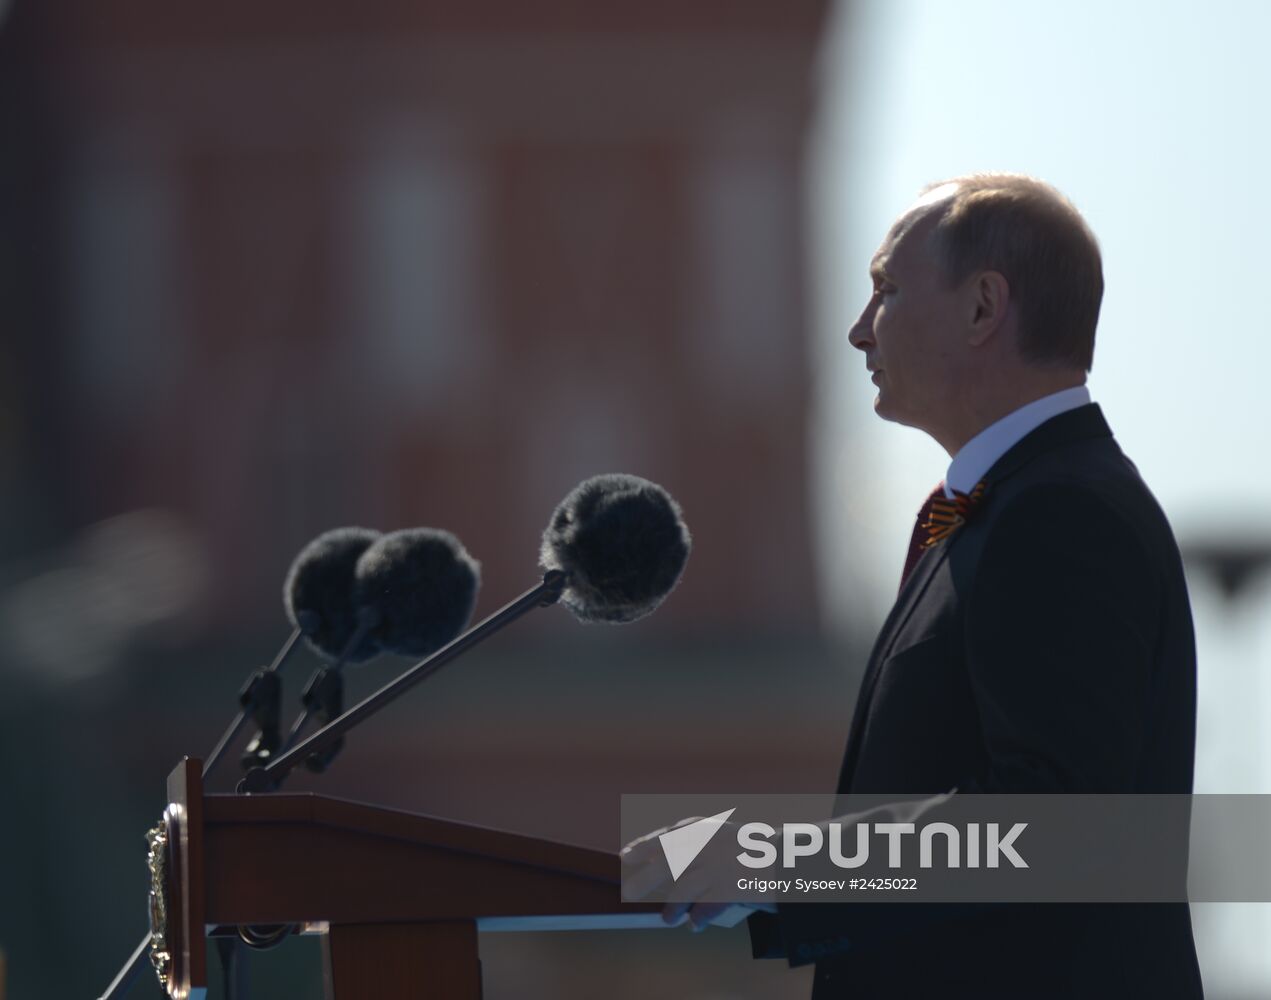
<point>276,267</point>
<point>425,263</point>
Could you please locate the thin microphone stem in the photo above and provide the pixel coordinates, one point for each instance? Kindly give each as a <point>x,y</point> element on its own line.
<point>367,620</point>
<point>240,720</point>
<point>229,736</point>
<point>285,652</point>
<point>128,974</point>
<point>297,727</point>
<point>544,594</point>
<point>119,985</point>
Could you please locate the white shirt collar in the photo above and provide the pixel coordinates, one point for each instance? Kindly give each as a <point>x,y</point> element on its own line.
<point>977,456</point>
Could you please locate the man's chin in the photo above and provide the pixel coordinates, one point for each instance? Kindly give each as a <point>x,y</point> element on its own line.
<point>890,413</point>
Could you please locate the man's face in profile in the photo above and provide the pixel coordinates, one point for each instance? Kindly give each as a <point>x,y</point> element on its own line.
<point>906,328</point>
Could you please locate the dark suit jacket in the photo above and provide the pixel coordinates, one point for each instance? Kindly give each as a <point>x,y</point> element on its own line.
<point>1046,646</point>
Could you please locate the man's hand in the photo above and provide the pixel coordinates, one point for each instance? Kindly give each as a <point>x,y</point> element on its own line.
<point>645,871</point>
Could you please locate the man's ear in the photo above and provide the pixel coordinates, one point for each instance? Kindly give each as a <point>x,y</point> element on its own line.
<point>990,297</point>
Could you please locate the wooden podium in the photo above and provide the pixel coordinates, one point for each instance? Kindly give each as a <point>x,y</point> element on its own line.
<point>399,897</point>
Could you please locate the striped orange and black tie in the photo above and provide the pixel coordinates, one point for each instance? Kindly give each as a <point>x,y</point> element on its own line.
<point>948,515</point>
<point>939,517</point>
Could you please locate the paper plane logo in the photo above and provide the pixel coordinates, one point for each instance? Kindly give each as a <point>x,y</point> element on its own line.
<point>681,846</point>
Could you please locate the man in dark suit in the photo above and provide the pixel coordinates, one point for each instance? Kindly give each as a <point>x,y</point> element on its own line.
<point>1042,638</point>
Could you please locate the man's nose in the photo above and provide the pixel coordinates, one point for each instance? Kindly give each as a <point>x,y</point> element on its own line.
<point>861,335</point>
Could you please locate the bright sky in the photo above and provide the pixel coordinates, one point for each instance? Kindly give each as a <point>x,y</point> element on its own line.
<point>1153,119</point>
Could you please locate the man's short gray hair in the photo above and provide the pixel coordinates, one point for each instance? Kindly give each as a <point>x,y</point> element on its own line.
<point>1029,232</point>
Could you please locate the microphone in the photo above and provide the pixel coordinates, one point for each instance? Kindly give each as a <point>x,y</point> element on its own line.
<point>413,590</point>
<point>318,591</point>
<point>321,580</point>
<point>319,607</point>
<point>622,543</point>
<point>422,583</point>
<point>617,545</point>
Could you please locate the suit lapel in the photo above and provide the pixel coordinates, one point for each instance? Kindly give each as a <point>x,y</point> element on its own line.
<point>910,594</point>
<point>1082,423</point>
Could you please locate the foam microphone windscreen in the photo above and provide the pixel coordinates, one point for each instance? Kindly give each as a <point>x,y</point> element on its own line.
<point>423,585</point>
<point>320,582</point>
<point>622,542</point>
